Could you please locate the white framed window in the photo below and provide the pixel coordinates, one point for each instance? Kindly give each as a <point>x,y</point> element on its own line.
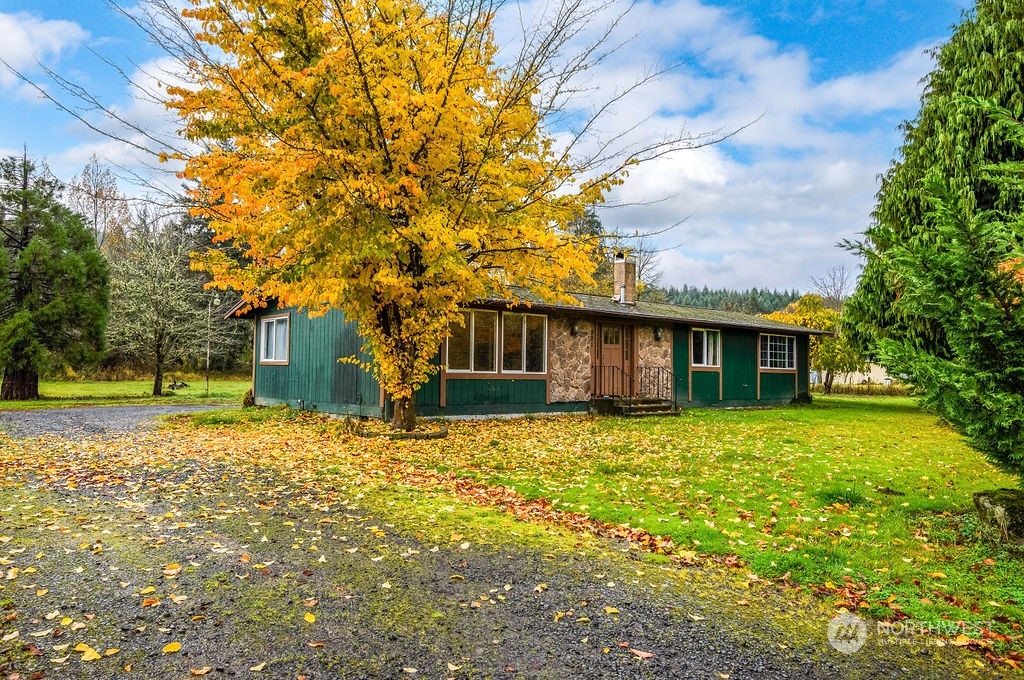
<point>274,340</point>
<point>473,346</point>
<point>706,347</point>
<point>778,352</point>
<point>524,343</point>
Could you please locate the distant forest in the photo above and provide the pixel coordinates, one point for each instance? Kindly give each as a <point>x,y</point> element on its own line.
<point>752,301</point>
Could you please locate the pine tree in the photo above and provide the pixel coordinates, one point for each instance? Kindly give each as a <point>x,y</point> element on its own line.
<point>53,282</point>
<point>984,58</point>
<point>967,280</point>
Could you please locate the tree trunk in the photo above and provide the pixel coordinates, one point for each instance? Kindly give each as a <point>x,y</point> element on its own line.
<point>404,416</point>
<point>22,383</point>
<point>158,379</point>
<point>827,384</point>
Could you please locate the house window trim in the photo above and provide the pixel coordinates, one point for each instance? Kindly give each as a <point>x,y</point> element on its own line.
<point>472,345</point>
<point>271,321</point>
<point>544,360</point>
<point>499,353</point>
<point>761,359</point>
<point>718,354</point>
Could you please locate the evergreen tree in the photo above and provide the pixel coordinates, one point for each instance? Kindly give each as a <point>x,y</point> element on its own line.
<point>967,280</point>
<point>53,282</point>
<point>752,301</point>
<point>984,58</point>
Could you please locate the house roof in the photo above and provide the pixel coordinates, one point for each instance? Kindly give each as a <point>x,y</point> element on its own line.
<point>653,311</point>
<point>646,311</point>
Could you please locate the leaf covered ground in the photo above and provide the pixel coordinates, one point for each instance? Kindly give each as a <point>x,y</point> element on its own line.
<point>293,547</point>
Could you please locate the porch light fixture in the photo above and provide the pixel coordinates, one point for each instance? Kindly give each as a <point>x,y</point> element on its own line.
<point>658,332</point>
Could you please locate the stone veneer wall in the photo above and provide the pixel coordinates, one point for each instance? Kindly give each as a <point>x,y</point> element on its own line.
<point>569,359</point>
<point>651,353</point>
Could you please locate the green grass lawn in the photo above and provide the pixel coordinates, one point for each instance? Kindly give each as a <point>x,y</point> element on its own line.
<point>868,500</point>
<point>223,390</point>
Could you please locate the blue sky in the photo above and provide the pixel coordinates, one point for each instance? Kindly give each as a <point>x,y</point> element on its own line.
<point>822,85</point>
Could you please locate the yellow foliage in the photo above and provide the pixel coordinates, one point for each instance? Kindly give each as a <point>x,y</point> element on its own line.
<point>370,156</point>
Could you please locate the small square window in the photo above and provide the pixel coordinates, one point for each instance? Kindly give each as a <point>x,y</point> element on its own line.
<point>706,347</point>
<point>778,352</point>
<point>274,342</point>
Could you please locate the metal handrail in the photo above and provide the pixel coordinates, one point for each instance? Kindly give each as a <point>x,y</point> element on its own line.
<point>612,381</point>
<point>651,382</point>
<point>656,382</point>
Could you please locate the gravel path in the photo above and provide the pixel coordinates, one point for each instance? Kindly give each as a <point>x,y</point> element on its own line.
<point>256,578</point>
<point>83,421</point>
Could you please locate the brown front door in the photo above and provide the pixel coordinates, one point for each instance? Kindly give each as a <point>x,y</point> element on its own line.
<point>614,368</point>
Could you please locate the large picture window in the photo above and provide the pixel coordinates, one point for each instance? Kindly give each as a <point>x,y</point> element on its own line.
<point>473,346</point>
<point>778,351</point>
<point>706,347</point>
<point>274,345</point>
<point>524,343</point>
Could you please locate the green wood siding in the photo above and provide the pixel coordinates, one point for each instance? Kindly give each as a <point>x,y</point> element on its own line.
<point>739,365</point>
<point>463,394</point>
<point>681,362</point>
<point>803,365</point>
<point>428,396</point>
<point>778,386</point>
<point>314,378</point>
<point>705,387</point>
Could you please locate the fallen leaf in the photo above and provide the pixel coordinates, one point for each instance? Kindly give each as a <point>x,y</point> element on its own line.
<point>453,667</point>
<point>200,671</point>
<point>258,667</point>
<point>540,587</point>
<point>147,590</point>
<point>309,617</point>
<point>937,575</point>
<point>172,648</point>
<point>611,610</point>
<point>316,644</point>
<point>111,651</point>
<point>641,655</point>
<point>171,570</point>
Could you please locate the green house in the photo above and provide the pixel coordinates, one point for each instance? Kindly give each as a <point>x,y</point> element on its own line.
<point>614,355</point>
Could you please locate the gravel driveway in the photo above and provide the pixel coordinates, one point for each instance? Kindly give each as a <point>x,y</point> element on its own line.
<point>257,557</point>
<point>83,421</point>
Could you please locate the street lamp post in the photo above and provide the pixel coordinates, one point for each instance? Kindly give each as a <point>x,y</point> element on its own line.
<point>209,332</point>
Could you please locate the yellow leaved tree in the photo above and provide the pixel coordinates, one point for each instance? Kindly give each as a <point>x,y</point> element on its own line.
<point>376,156</point>
<point>832,354</point>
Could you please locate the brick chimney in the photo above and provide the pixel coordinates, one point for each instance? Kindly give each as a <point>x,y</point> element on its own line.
<point>624,278</point>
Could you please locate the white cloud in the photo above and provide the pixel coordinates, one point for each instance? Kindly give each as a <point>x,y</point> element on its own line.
<point>767,207</point>
<point>29,39</point>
